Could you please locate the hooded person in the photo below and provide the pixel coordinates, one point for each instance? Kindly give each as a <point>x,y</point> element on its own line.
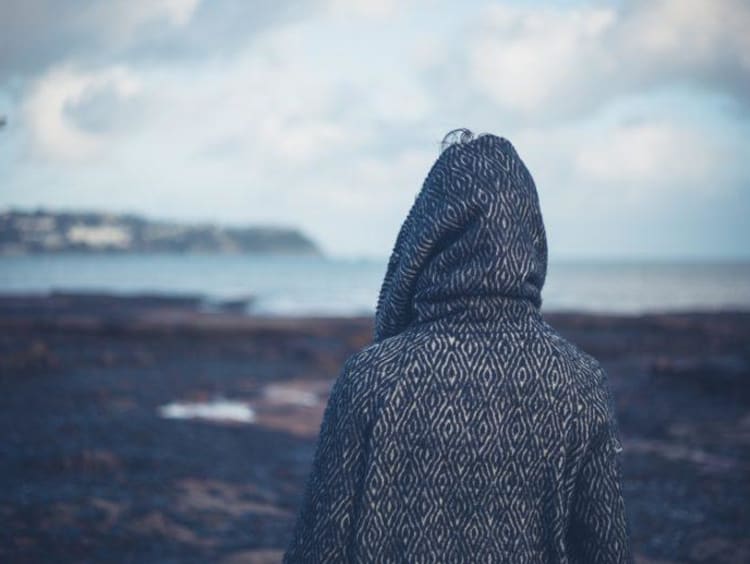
<point>469,430</point>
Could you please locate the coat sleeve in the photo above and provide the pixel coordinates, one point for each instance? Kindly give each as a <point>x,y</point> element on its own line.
<point>324,527</point>
<point>599,530</point>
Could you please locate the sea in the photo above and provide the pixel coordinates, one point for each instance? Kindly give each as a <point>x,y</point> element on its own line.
<point>287,285</point>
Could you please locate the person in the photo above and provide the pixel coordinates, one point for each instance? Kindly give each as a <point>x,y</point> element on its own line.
<point>469,430</point>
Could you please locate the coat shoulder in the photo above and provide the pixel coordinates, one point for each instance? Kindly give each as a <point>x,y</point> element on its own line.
<point>588,380</point>
<point>367,375</point>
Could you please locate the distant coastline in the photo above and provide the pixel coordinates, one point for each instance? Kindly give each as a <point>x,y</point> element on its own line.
<point>50,232</point>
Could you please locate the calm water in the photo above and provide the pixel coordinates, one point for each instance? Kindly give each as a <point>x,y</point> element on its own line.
<point>310,285</point>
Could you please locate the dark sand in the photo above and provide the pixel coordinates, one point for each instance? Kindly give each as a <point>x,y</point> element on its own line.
<point>92,473</point>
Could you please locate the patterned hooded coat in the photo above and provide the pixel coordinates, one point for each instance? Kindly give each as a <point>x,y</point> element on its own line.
<point>469,430</point>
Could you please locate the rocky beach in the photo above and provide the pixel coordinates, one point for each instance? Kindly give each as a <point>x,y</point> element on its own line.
<point>153,429</point>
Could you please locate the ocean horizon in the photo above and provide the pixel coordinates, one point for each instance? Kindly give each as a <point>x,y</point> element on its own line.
<point>289,285</point>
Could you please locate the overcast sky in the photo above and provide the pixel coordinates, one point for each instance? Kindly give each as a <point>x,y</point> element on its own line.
<point>632,116</point>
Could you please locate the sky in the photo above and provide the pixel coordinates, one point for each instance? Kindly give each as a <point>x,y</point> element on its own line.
<point>632,116</point>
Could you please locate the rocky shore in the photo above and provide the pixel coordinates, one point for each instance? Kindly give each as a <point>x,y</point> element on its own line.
<point>149,429</point>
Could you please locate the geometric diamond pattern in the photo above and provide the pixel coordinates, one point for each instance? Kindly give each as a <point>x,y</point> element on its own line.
<point>469,430</point>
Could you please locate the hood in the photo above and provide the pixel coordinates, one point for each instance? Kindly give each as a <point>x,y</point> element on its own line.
<point>472,247</point>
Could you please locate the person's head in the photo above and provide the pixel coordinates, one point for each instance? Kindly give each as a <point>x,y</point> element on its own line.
<point>473,242</point>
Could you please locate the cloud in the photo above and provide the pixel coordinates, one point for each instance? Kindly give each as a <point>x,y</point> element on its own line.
<point>527,60</point>
<point>53,131</point>
<point>38,34</point>
<point>251,105</point>
<point>650,156</point>
<point>651,187</point>
<point>608,165</point>
<point>555,61</point>
<point>271,103</point>
<point>379,9</point>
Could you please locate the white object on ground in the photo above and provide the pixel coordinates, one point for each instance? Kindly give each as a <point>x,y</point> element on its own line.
<point>287,394</point>
<point>215,410</point>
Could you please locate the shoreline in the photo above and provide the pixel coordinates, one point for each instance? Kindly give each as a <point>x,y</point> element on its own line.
<point>202,311</point>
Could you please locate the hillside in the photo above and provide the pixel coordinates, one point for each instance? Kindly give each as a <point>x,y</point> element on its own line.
<point>42,231</point>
